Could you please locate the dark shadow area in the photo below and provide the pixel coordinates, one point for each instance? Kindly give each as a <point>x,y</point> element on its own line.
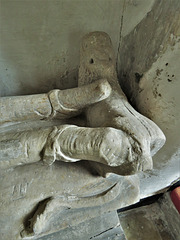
<point>142,202</point>
<point>31,217</point>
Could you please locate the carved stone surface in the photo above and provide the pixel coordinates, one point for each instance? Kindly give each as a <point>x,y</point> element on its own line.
<point>143,138</point>
<point>37,200</point>
<point>108,229</point>
<point>36,130</point>
<point>117,135</point>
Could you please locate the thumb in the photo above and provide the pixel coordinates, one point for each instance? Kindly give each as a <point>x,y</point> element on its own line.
<point>69,102</point>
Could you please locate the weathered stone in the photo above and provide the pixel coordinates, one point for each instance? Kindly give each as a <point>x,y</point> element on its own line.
<point>159,220</point>
<point>104,227</point>
<point>39,52</point>
<point>97,60</point>
<point>70,190</point>
<point>113,135</point>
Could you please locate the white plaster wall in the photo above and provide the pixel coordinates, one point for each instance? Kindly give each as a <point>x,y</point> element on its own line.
<point>39,41</point>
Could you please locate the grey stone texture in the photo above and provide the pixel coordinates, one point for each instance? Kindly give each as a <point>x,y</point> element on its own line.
<point>105,227</point>
<point>52,196</point>
<point>39,52</point>
<point>159,220</point>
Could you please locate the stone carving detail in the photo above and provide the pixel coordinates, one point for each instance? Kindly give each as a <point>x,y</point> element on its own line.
<point>92,122</point>
<point>115,134</point>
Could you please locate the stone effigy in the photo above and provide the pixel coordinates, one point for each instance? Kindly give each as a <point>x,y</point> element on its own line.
<point>37,130</point>
<point>115,134</point>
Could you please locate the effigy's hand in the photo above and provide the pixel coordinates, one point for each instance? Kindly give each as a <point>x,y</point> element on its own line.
<point>105,145</point>
<point>97,60</point>
<point>116,134</point>
<point>61,104</point>
<point>71,102</point>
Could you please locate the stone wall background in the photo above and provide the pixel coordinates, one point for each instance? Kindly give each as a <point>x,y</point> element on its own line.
<point>39,41</point>
<point>39,51</point>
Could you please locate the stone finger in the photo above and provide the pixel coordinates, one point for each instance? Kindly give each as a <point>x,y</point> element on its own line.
<point>70,102</point>
<point>105,145</point>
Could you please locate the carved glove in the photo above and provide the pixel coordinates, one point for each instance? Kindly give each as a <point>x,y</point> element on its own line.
<point>119,136</point>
